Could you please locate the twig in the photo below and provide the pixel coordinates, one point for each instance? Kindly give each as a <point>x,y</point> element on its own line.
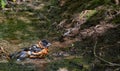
<point>6,53</point>
<point>110,63</point>
<point>118,69</point>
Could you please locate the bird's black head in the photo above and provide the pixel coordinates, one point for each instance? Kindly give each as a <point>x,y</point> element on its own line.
<point>45,43</point>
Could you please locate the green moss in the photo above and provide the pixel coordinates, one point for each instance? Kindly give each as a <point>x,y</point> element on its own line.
<point>76,64</point>
<point>16,67</point>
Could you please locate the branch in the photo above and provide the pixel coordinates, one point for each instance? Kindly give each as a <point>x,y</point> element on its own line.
<point>110,63</point>
<point>5,52</point>
<point>117,2</point>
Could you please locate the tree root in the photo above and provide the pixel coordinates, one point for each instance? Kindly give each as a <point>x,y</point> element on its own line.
<point>108,62</point>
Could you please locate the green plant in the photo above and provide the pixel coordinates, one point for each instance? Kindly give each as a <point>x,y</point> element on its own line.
<point>3,3</point>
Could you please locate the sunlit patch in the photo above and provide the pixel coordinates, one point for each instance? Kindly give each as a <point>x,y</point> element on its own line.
<point>62,69</point>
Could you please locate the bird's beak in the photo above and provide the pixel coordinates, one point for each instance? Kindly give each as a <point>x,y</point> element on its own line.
<point>49,44</point>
